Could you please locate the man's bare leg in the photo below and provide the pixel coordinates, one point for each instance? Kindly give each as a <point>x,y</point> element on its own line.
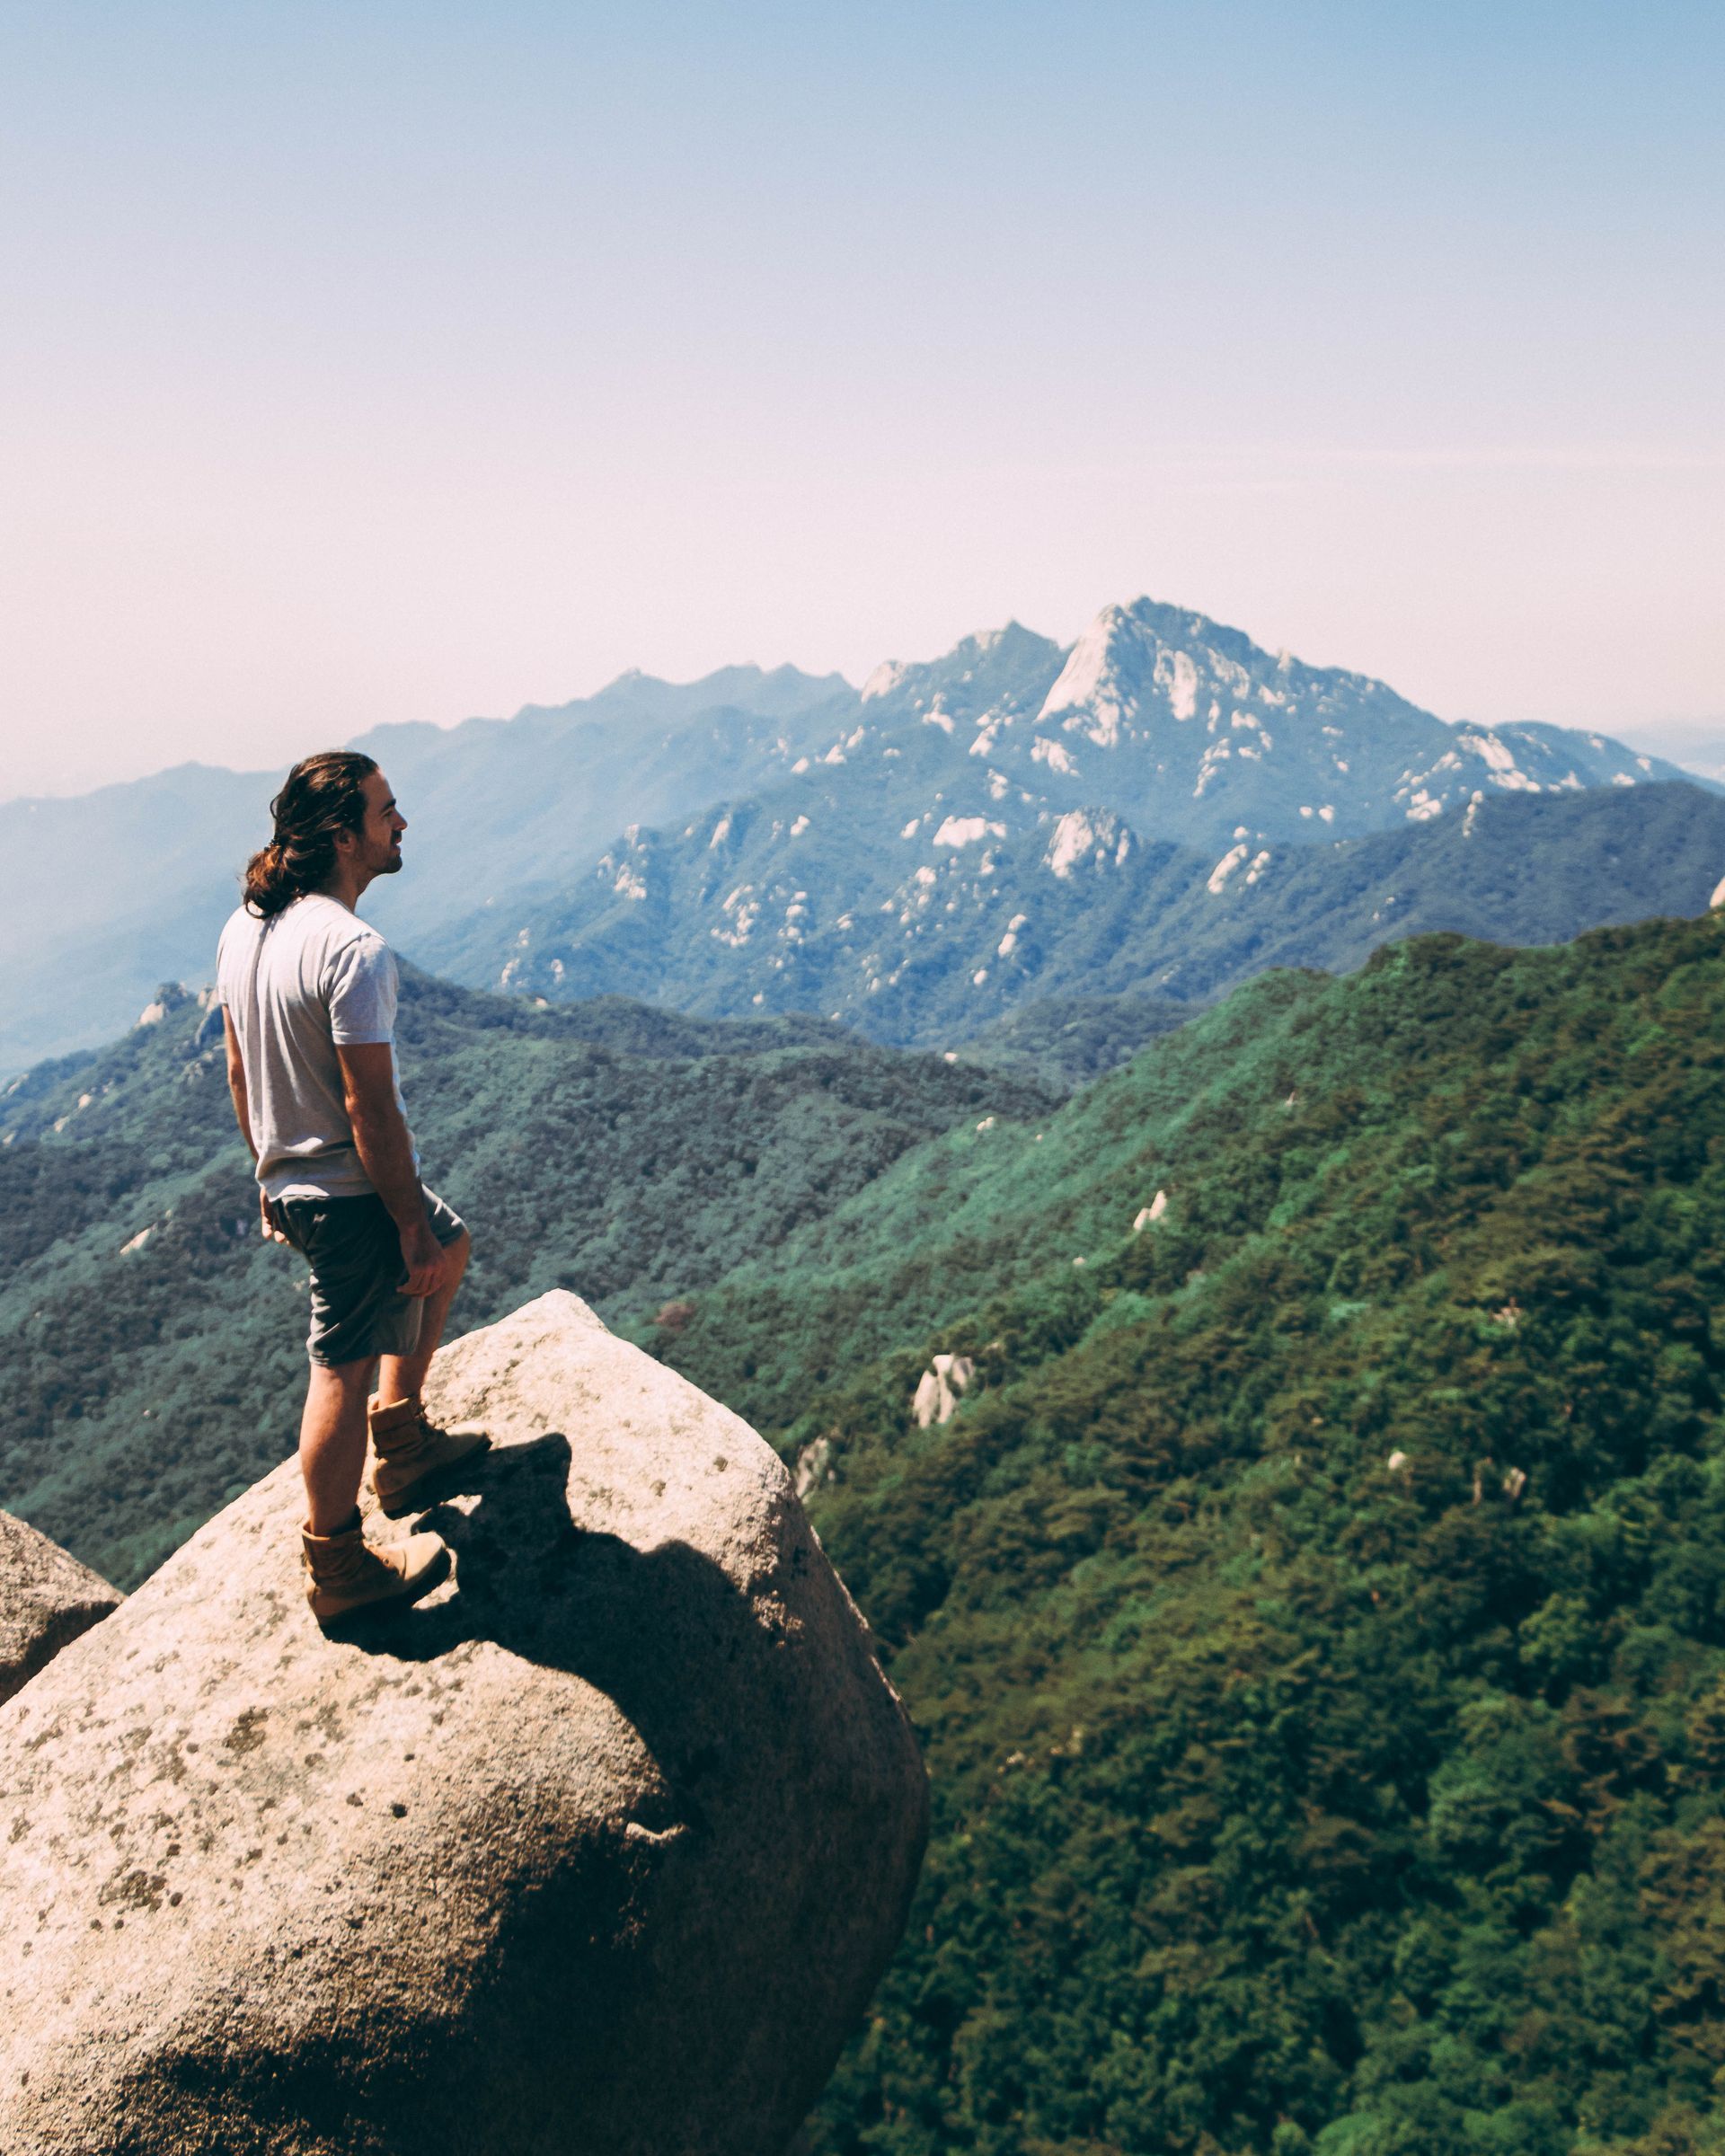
<point>402,1376</point>
<point>344,1573</point>
<point>332,1443</point>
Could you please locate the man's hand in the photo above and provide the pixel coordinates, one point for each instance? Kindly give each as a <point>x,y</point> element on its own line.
<point>426,1260</point>
<point>269,1231</point>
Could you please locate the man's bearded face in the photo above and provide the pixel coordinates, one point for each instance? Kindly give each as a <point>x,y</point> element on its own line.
<point>380,831</point>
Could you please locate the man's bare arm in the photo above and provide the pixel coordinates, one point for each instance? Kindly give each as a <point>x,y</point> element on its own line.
<point>386,1155</point>
<point>242,1116</point>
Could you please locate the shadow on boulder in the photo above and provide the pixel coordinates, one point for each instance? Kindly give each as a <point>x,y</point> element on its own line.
<point>634,1624</point>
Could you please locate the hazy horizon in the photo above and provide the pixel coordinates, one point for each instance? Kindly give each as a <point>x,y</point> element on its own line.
<point>404,365</point>
<point>1698,743</point>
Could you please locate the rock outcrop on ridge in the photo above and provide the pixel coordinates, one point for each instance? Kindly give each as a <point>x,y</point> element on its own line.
<point>46,1598</point>
<point>602,1848</point>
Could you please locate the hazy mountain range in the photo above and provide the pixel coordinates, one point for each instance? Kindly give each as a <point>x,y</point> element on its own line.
<point>1158,729</point>
<point>924,936</point>
<point>107,894</point>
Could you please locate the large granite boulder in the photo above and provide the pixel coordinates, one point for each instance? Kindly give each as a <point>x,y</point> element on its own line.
<point>46,1598</point>
<point>602,1848</point>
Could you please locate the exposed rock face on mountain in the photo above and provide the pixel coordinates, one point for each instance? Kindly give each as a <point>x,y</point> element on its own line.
<point>1188,729</point>
<point>1197,735</point>
<point>601,1848</point>
<point>46,1598</point>
<point>921,932</point>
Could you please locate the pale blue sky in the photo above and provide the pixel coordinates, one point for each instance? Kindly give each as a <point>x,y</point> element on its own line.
<point>373,362</point>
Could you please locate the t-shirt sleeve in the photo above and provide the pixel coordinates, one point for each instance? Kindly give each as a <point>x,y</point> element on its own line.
<point>362,993</point>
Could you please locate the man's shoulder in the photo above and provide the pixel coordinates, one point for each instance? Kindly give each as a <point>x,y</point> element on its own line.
<point>314,929</point>
<point>328,923</point>
<point>242,927</point>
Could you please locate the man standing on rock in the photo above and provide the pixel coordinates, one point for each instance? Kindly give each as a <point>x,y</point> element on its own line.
<point>308,998</point>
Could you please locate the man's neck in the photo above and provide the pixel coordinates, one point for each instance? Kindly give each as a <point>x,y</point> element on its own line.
<point>345,885</point>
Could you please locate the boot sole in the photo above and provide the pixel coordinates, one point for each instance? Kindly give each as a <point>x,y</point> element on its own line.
<point>421,1494</point>
<point>364,1613</point>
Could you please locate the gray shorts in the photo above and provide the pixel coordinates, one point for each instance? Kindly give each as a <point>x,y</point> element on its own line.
<point>355,1252</point>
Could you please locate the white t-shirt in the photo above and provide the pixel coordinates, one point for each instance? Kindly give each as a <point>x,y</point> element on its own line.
<point>294,987</point>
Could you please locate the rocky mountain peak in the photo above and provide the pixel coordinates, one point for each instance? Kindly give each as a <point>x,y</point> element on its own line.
<point>1142,664</point>
<point>1000,672</point>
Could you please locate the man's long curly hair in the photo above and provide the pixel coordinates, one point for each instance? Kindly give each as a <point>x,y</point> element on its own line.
<point>325,795</point>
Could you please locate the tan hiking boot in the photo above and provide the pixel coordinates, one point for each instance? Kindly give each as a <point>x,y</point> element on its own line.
<point>344,1572</point>
<point>409,1450</point>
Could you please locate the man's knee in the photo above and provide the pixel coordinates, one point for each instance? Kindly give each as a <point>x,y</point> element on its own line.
<point>347,1378</point>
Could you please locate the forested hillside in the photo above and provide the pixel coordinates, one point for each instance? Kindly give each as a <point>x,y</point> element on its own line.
<point>151,1344</point>
<point>1316,1615</point>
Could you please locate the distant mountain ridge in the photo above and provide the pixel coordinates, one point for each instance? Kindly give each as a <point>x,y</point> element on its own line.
<point>106,893</point>
<point>1135,812</point>
<point>1177,724</point>
<point>925,934</point>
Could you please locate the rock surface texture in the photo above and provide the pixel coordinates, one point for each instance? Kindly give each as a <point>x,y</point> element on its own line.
<point>600,1848</point>
<point>46,1598</point>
